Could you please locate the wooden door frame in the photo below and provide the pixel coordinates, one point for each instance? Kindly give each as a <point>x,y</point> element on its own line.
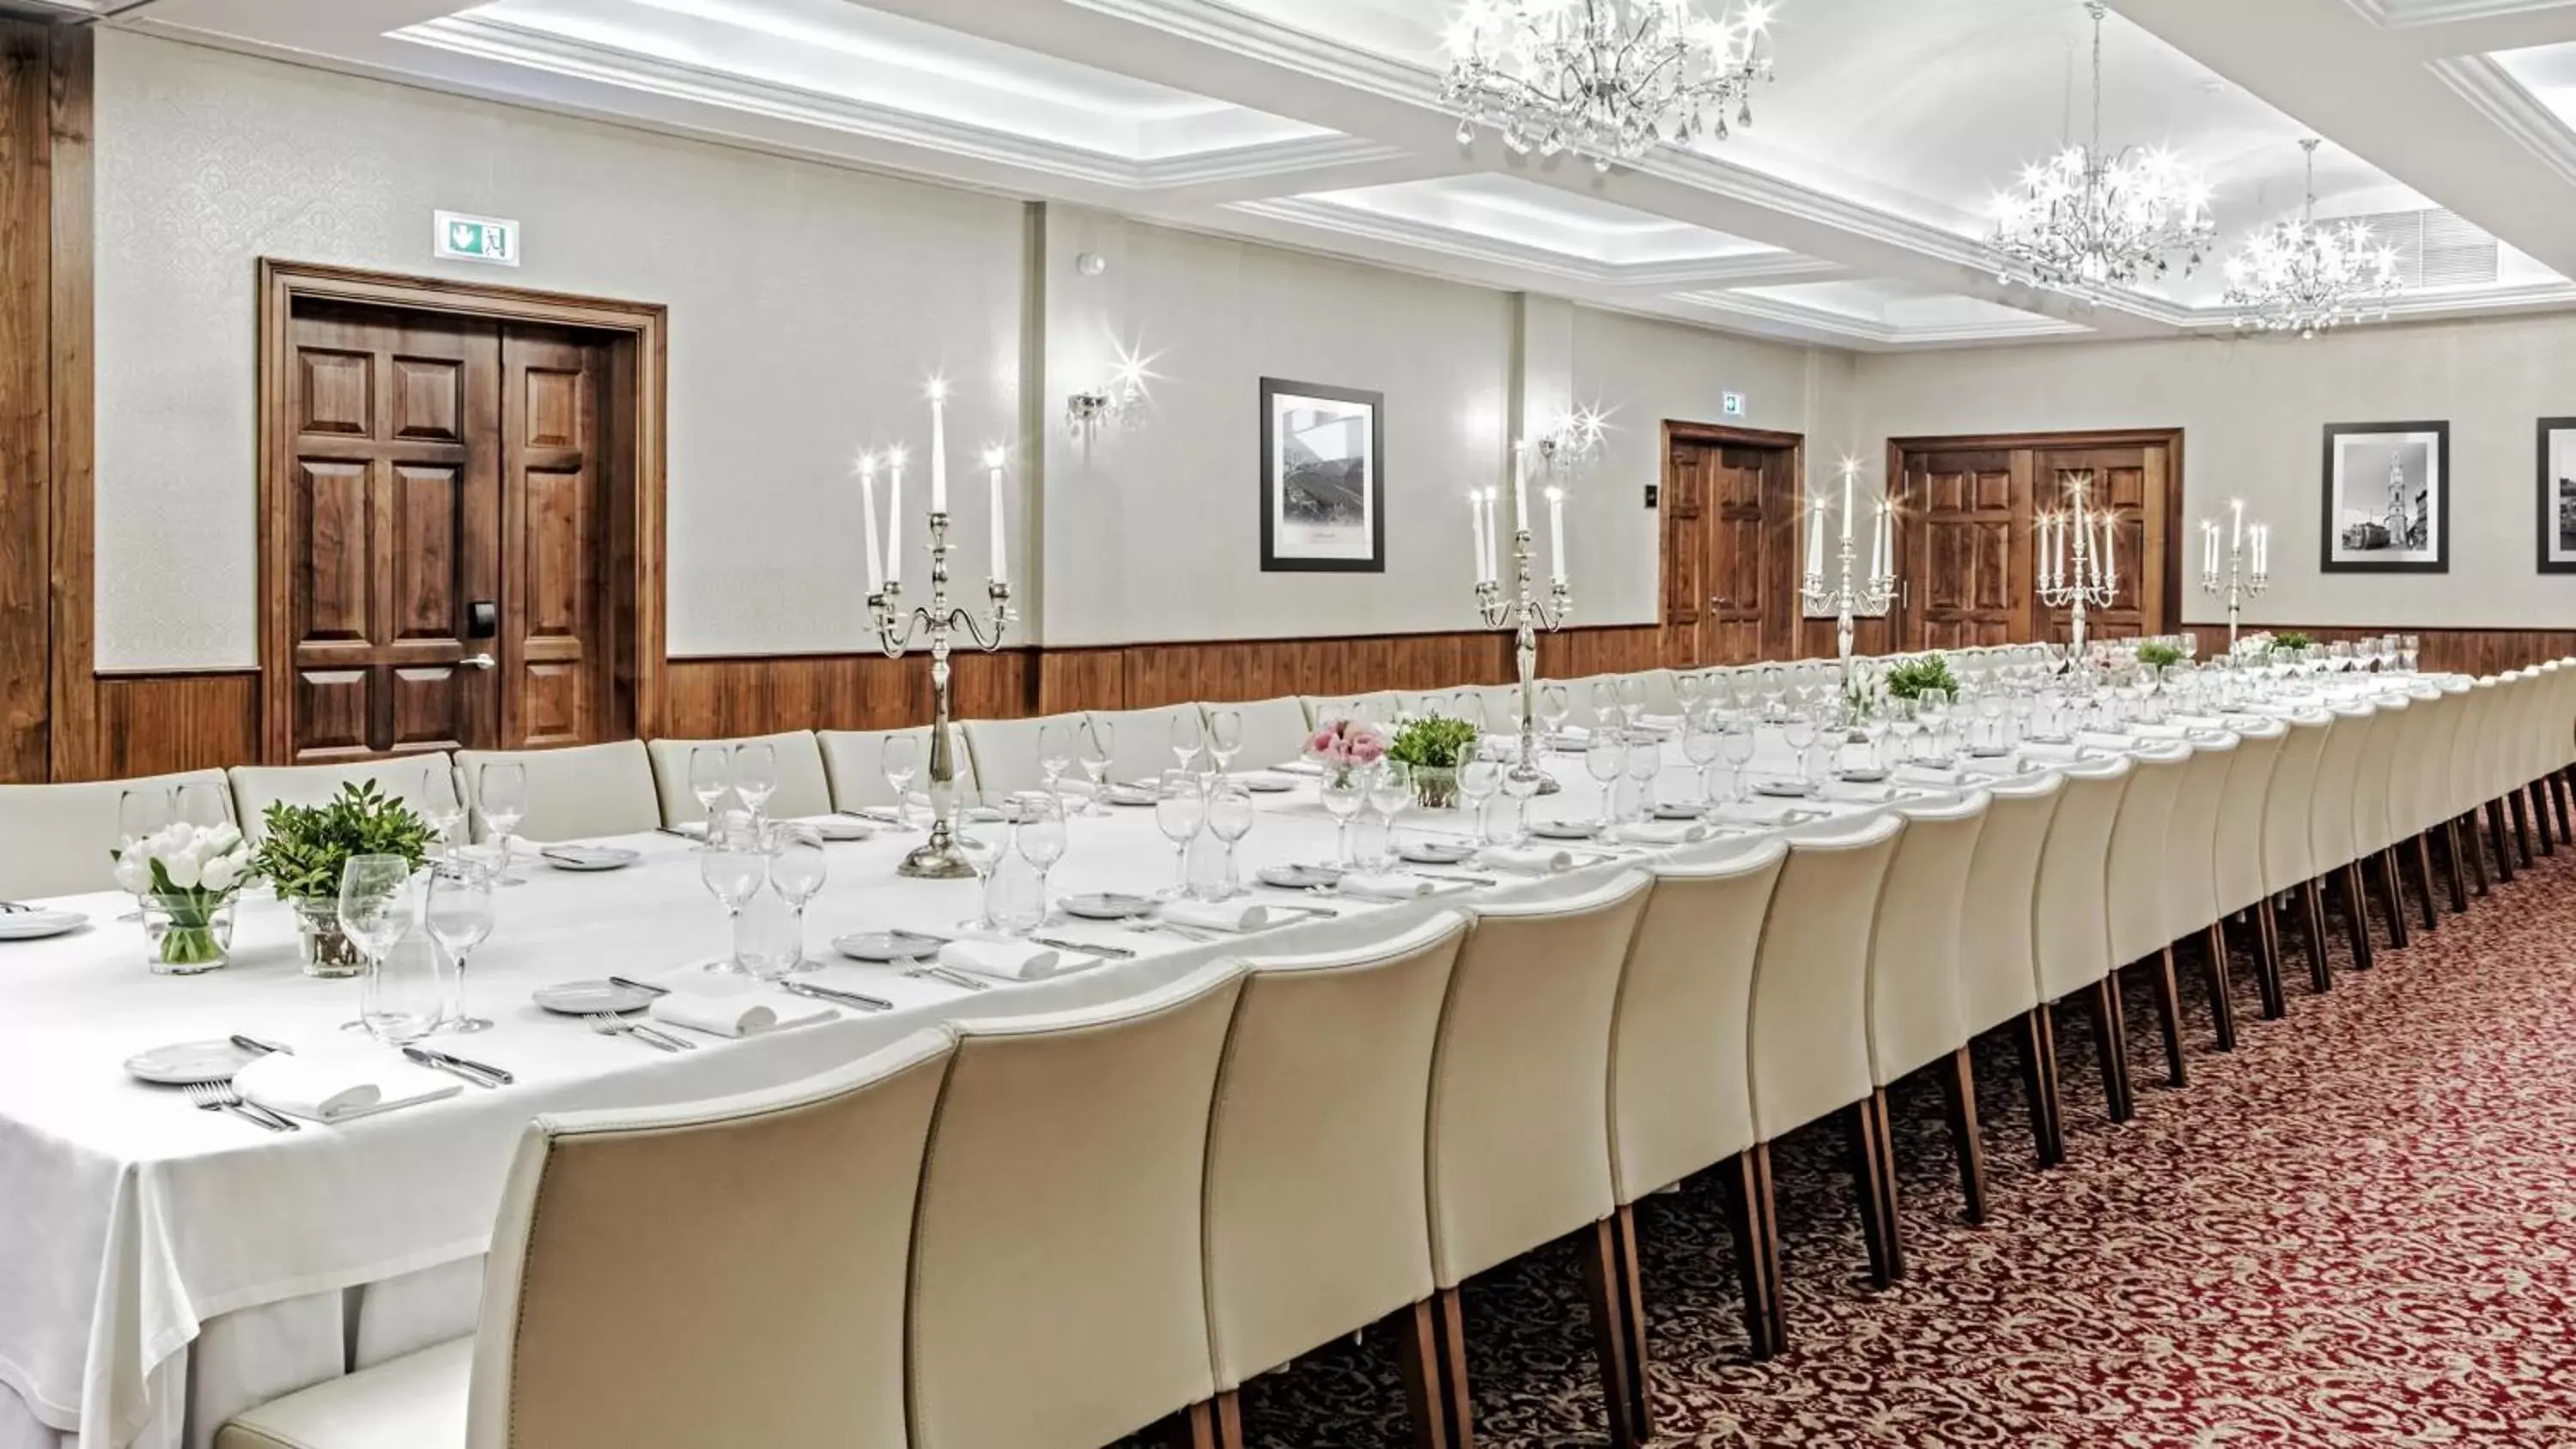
<point>635,440</point>
<point>1776,532</point>
<point>2170,438</point>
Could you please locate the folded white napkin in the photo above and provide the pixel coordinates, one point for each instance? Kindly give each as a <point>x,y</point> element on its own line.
<point>1751,814</point>
<point>1387,887</point>
<point>1861,794</point>
<point>1011,960</point>
<point>1269,779</point>
<point>1661,832</point>
<point>339,1086</point>
<point>1526,859</point>
<point>1300,767</point>
<point>736,1013</point>
<point>1228,916</point>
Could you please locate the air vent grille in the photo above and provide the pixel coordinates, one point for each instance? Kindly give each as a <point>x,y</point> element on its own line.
<point>2435,247</point>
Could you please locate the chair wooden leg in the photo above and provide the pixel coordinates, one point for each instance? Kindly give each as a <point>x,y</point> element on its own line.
<point>2520,808</point>
<point>1449,1322</point>
<point>2565,795</point>
<point>2038,1042</point>
<point>2392,897</point>
<point>2455,864</point>
<point>1605,1283</point>
<point>2160,974</point>
<point>2111,1040</point>
<point>2540,816</point>
<point>1229,1421</point>
<point>2312,906</point>
<point>2432,914</point>
<point>1746,1180</point>
<point>2495,813</point>
<point>2267,960</point>
<point>2222,986</point>
<point>2465,827</point>
<point>1864,1135</point>
<point>2356,913</point>
<point>1959,1104</point>
<point>1193,1427</point>
<point>1418,1355</point>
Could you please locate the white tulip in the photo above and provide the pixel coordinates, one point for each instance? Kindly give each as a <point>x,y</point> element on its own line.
<point>226,836</point>
<point>220,873</point>
<point>182,870</point>
<point>171,840</point>
<point>134,873</point>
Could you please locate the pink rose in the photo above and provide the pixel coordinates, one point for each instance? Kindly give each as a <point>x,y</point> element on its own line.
<point>1367,748</point>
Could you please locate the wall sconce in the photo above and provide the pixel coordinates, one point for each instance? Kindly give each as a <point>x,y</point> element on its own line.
<point>1119,399</point>
<point>1575,440</point>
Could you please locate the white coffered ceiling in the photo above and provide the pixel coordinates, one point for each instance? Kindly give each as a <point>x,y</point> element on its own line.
<point>1851,213</point>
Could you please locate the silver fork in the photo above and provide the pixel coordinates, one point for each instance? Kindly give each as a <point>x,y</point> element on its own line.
<point>220,1097</point>
<point>606,1025</point>
<point>921,970</point>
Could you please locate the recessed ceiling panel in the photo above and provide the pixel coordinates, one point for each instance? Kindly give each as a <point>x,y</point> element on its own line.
<point>1520,213</point>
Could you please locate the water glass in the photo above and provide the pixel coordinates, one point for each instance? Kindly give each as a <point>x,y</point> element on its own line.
<point>1702,739</point>
<point>755,776</point>
<point>1645,762</point>
<point>732,868</point>
<point>1345,793</point>
<point>1632,700</point>
<point>899,759</point>
<point>1224,737</point>
<point>1099,744</point>
<point>406,989</point>
<point>1479,780</point>
<point>1229,818</point>
<point>377,902</point>
<point>1554,705</point>
<point>797,869</point>
<point>442,806</point>
<point>501,794</point>
<point>710,776</point>
<point>1605,759</point>
<point>1040,838</point>
<point>459,916</point>
<point>1799,729</point>
<point>1186,736</point>
<point>1736,744</point>
<point>1180,808</point>
<point>1390,790</point>
<point>1055,753</point>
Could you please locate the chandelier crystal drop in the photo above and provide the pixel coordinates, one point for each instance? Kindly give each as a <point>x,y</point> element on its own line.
<point>1603,79</point>
<point>2297,276</point>
<point>2090,217</point>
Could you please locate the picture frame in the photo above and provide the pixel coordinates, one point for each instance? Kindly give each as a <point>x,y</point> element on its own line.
<point>2554,467</point>
<point>2384,501</point>
<point>1323,478</point>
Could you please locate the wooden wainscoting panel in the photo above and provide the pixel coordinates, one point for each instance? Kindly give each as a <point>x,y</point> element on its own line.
<point>1613,649</point>
<point>151,724</point>
<point>2461,651</point>
<point>26,456</point>
<point>1071,679</point>
<point>1816,637</point>
<point>75,721</point>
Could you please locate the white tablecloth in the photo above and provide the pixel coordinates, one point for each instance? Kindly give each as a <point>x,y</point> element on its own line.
<point>133,1226</point>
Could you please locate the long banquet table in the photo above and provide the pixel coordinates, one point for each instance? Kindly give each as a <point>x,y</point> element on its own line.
<point>162,1267</point>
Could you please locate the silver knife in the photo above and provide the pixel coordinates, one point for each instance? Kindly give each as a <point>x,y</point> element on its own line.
<point>435,1062</point>
<point>499,1077</point>
<point>259,1048</point>
<point>1085,948</point>
<point>861,1000</point>
<point>634,985</point>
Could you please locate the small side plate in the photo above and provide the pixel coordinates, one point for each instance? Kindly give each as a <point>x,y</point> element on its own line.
<point>1297,877</point>
<point>1261,782</point>
<point>186,1063</point>
<point>1436,852</point>
<point>887,946</point>
<point>1106,906</point>
<point>582,998</point>
<point>588,857</point>
<point>1563,829</point>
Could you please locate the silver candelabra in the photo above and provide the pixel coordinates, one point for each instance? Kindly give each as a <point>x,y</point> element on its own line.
<point>2247,573</point>
<point>2092,583</point>
<point>938,858</point>
<point>1848,598</point>
<point>1526,614</point>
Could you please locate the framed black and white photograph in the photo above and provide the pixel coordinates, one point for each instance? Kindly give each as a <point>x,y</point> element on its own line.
<point>2387,501</point>
<point>1323,463</point>
<point>2558,495</point>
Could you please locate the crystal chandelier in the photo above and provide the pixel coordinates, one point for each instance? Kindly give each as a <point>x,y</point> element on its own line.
<point>2297,276</point>
<point>1604,79</point>
<point>2089,218</point>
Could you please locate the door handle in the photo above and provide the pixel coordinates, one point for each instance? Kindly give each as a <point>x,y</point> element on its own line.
<point>477,661</point>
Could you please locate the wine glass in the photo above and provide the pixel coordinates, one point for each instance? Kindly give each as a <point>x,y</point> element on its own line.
<point>141,813</point>
<point>1099,740</point>
<point>1799,729</point>
<point>1180,808</point>
<point>1632,700</point>
<point>377,906</point>
<point>710,776</point>
<point>1055,754</point>
<point>1904,720</point>
<point>1932,707</point>
<point>899,759</point>
<point>797,869</point>
<point>406,989</point>
<point>1229,818</point>
<point>983,856</point>
<point>459,916</point>
<point>1186,736</point>
<point>1702,739</point>
<point>1605,759</point>
<point>1553,708</point>
<point>1224,737</point>
<point>1344,792</point>
<point>1735,746</point>
<point>442,806</point>
<point>732,867</point>
<point>755,776</point>
<point>1645,762</point>
<point>1479,780</point>
<point>501,794</point>
<point>1605,704</point>
<point>202,803</point>
<point>1040,838</point>
<point>1390,789</point>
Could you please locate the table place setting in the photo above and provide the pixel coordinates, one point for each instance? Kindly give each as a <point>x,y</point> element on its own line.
<point>336,1083</point>
<point>20,922</point>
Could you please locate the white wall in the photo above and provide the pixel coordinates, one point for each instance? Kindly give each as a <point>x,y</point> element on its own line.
<point>807,304</point>
<point>2253,412</point>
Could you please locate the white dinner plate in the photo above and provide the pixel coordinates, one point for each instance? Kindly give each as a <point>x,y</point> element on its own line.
<point>1784,789</point>
<point>1265,783</point>
<point>1675,810</point>
<point>1127,795</point>
<point>1861,777</point>
<point>840,828</point>
<point>1563,829</point>
<point>184,1063</point>
<point>584,998</point>
<point>588,857</point>
<point>1435,852</point>
<point>887,946</point>
<point>1297,877</point>
<point>1106,906</point>
<point>36,925</point>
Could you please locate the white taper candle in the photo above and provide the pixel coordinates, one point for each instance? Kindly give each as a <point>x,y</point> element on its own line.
<point>938,448</point>
<point>1476,532</point>
<point>894,523</point>
<point>1556,534</point>
<point>868,510</point>
<point>1001,542</point>
<point>1520,486</point>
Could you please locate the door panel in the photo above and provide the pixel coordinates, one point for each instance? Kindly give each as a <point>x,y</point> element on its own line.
<point>395,519</point>
<point>1719,515</point>
<point>1969,538</point>
<point>552,615</point>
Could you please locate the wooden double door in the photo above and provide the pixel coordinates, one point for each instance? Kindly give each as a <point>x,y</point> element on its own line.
<point>1968,534</point>
<point>1730,516</point>
<point>441,562</point>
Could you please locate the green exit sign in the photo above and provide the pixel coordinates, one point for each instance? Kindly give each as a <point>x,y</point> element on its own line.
<point>477,238</point>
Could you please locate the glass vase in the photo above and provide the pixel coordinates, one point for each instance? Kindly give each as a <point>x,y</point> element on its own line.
<point>325,949</point>
<point>1435,787</point>
<point>186,932</point>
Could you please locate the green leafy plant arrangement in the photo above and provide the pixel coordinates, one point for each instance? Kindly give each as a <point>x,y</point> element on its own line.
<point>1434,742</point>
<point>305,845</point>
<point>1914,676</point>
<point>2159,654</point>
<point>2292,639</point>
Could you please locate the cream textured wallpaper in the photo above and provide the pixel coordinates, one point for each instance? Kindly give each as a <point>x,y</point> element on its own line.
<point>807,305</point>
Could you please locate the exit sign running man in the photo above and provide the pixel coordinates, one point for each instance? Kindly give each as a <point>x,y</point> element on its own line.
<point>478,238</point>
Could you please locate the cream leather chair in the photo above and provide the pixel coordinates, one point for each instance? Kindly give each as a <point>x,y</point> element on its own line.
<point>1058,1291</point>
<point>1681,1097</point>
<point>2374,832</point>
<point>2236,875</point>
<point>2512,736</point>
<point>1457,702</point>
<point>2483,738</point>
<point>1917,1013</point>
<point>586,790</point>
<point>403,777</point>
<point>1005,754</point>
<point>2332,839</point>
<point>55,839</point>
<point>854,762</point>
<point>1998,980</point>
<point>1663,695</point>
<point>1379,709</point>
<point>2411,811</point>
<point>803,788</point>
<point>637,1295</point>
<point>2439,782</point>
<point>2185,863</point>
<point>1578,697</point>
<point>1317,1223</point>
<point>1141,747</point>
<point>2142,838</point>
<point>1502,707</point>
<point>1809,1025</point>
<point>1519,1136</point>
<point>2070,940</point>
<point>2289,858</point>
<point>1274,731</point>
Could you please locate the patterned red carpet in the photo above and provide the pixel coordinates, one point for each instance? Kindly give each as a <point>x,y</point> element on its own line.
<point>2359,1229</point>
